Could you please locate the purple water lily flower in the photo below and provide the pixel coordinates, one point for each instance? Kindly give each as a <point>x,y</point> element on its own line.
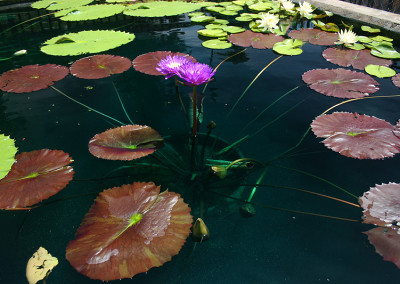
<point>169,65</point>
<point>195,73</point>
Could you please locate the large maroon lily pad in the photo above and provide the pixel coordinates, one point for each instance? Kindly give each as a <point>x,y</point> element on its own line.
<point>357,136</point>
<point>147,63</point>
<point>127,142</point>
<point>35,176</point>
<point>356,58</point>
<point>381,205</point>
<point>340,83</point>
<point>386,242</point>
<point>99,66</point>
<point>314,36</point>
<point>128,230</point>
<point>32,78</point>
<point>256,40</point>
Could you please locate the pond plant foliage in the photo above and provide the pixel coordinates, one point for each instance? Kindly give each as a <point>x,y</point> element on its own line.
<point>142,227</point>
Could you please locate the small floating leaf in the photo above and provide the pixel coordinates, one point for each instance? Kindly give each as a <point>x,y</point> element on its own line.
<point>212,33</point>
<point>370,29</point>
<point>233,29</point>
<point>202,19</point>
<point>216,44</point>
<point>379,71</point>
<point>289,47</point>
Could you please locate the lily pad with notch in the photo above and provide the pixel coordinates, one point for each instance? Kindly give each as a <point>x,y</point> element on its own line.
<point>35,176</point>
<point>128,142</point>
<point>289,47</point>
<point>90,12</point>
<point>340,83</point>
<point>32,78</point>
<point>99,66</point>
<point>357,136</point>
<point>379,71</point>
<point>128,230</point>
<point>216,44</point>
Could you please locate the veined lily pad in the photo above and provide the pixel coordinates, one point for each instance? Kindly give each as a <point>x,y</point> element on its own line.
<point>314,36</point>
<point>59,4</point>
<point>7,154</point>
<point>289,47</point>
<point>128,230</point>
<point>212,33</point>
<point>386,242</point>
<point>100,66</point>
<point>161,9</point>
<point>385,50</point>
<point>256,40</point>
<point>128,142</point>
<point>216,44</point>
<point>354,58</point>
<point>90,12</point>
<point>35,176</point>
<point>147,63</point>
<point>379,71</point>
<point>357,136</point>
<point>32,78</point>
<point>340,83</point>
<point>85,42</point>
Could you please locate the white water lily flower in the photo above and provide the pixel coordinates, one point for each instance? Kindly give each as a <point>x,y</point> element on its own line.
<point>268,21</point>
<point>305,9</point>
<point>288,6</point>
<point>347,37</point>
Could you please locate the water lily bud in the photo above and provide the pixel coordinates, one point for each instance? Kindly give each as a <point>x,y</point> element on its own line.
<point>20,52</point>
<point>200,231</point>
<point>219,171</point>
<point>211,125</point>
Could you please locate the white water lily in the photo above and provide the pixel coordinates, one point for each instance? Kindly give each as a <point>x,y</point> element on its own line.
<point>268,22</point>
<point>288,6</point>
<point>347,37</point>
<point>305,9</point>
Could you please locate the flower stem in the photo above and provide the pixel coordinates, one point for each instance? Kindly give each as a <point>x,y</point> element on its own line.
<point>194,128</point>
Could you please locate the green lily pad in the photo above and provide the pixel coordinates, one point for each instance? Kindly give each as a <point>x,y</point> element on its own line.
<point>239,2</point>
<point>220,21</point>
<point>7,154</point>
<point>90,12</point>
<point>356,46</point>
<point>59,4</point>
<point>385,50</point>
<point>370,29</point>
<point>233,29</point>
<point>212,33</point>
<point>379,71</point>
<point>214,26</point>
<point>261,6</point>
<point>289,47</point>
<point>228,13</point>
<point>160,9</point>
<point>196,14</point>
<point>85,42</point>
<point>381,38</point>
<point>364,39</point>
<point>215,9</point>
<point>245,18</point>
<point>202,19</point>
<point>234,8</point>
<point>216,44</point>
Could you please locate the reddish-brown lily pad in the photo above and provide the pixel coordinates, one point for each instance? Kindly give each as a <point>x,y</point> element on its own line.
<point>381,205</point>
<point>357,136</point>
<point>128,230</point>
<point>147,63</point>
<point>396,80</point>
<point>386,242</point>
<point>32,78</point>
<point>356,58</point>
<point>314,36</point>
<point>340,83</point>
<point>35,176</point>
<point>256,40</point>
<point>99,66</point>
<point>127,142</point>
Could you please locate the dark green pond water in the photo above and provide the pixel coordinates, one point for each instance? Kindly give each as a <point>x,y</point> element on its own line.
<point>271,247</point>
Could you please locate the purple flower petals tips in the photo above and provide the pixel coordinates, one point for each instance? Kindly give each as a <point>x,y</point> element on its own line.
<point>196,73</point>
<point>169,65</point>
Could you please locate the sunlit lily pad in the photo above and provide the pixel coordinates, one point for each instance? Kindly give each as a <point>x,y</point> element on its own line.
<point>216,44</point>
<point>215,9</point>
<point>35,176</point>
<point>256,40</point>
<point>356,59</point>
<point>357,136</point>
<point>289,47</point>
<point>128,230</point>
<point>314,36</point>
<point>220,21</point>
<point>90,12</point>
<point>386,242</point>
<point>385,50</point>
<point>212,33</point>
<point>381,205</point>
<point>59,4</point>
<point>233,29</point>
<point>126,142</point>
<point>202,19</point>
<point>32,78</point>
<point>147,63</point>
<point>228,13</point>
<point>85,42</point>
<point>100,66</point>
<point>370,29</point>
<point>381,38</point>
<point>7,154</point>
<point>379,71</point>
<point>160,9</point>
<point>328,27</point>
<point>341,83</point>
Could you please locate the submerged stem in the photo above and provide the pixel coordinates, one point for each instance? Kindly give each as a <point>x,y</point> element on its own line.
<point>255,187</point>
<point>85,106</point>
<point>122,104</point>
